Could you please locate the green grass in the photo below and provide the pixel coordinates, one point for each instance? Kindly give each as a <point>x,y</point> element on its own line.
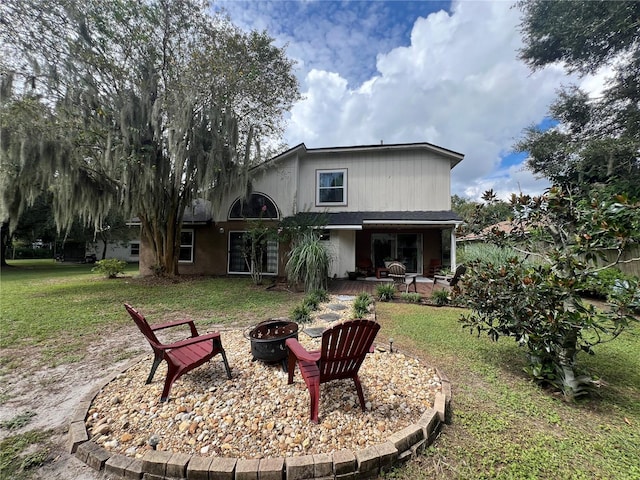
<point>21,454</point>
<point>504,426</point>
<point>44,302</point>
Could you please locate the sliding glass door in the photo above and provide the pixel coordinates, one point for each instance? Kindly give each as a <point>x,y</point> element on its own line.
<point>403,247</point>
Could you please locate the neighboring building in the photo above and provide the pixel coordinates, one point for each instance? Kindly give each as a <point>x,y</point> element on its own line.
<point>380,202</point>
<point>129,251</point>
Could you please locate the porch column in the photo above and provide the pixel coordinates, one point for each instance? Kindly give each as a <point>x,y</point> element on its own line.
<point>453,250</point>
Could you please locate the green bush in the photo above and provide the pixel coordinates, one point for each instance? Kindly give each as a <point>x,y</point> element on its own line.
<point>322,295</point>
<point>600,284</point>
<point>361,305</point>
<point>485,252</point>
<point>300,314</point>
<point>110,267</point>
<point>385,292</point>
<point>411,297</point>
<point>441,297</point>
<point>313,299</point>
<point>309,262</point>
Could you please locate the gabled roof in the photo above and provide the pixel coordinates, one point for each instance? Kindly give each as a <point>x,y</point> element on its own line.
<point>357,220</point>
<point>303,151</point>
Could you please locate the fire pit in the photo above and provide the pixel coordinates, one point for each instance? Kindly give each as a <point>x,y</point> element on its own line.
<point>268,340</point>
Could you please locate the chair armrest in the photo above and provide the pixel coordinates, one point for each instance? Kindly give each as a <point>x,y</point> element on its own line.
<point>190,341</point>
<point>175,323</point>
<point>192,326</point>
<point>299,351</point>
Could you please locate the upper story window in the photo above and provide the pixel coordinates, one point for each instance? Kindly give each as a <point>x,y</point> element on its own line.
<point>256,205</point>
<point>331,187</point>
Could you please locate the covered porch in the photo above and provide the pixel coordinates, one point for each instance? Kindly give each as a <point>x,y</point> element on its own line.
<point>363,243</point>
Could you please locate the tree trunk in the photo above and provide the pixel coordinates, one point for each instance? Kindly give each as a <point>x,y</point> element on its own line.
<point>165,247</point>
<point>4,240</point>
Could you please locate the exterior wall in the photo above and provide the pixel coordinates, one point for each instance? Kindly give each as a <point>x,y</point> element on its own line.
<point>381,181</point>
<point>342,248</point>
<point>278,181</point>
<point>210,252</point>
<point>117,250</point>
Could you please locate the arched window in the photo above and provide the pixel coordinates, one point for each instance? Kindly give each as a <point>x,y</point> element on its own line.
<point>256,205</point>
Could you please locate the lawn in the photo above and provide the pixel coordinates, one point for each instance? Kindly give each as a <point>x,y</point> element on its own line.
<point>503,426</point>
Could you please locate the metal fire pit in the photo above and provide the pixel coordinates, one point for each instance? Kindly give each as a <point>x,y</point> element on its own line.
<point>268,339</point>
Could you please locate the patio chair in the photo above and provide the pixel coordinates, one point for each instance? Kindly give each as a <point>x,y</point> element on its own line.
<point>181,356</point>
<point>342,351</point>
<point>398,272</point>
<point>365,267</point>
<point>435,265</point>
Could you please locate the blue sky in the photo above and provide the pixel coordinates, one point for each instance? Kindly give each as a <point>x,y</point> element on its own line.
<point>412,71</point>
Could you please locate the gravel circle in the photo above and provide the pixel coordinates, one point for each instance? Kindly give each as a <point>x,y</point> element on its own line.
<point>256,414</point>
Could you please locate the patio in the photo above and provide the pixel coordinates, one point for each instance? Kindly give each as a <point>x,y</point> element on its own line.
<point>424,285</point>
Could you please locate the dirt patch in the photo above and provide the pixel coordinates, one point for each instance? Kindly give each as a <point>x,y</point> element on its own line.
<point>54,393</point>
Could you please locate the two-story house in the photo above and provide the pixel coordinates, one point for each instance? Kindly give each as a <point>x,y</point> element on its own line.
<point>379,202</point>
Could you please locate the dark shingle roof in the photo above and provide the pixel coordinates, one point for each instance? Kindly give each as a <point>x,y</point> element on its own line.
<point>394,218</point>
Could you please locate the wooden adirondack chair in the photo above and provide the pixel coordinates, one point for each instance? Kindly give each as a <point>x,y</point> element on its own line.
<point>341,354</point>
<point>181,356</point>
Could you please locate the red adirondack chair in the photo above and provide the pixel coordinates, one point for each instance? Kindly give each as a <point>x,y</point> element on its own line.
<point>181,356</point>
<point>341,354</point>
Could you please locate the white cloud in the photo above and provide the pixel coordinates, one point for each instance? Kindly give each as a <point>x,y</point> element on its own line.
<point>456,82</point>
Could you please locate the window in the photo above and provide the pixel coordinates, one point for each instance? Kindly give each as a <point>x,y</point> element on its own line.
<point>239,249</point>
<point>134,249</point>
<point>331,187</point>
<point>255,205</point>
<point>186,246</point>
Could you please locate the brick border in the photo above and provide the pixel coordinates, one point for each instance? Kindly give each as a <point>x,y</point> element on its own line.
<point>367,463</point>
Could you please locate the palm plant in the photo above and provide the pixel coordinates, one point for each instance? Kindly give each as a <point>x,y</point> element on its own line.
<point>309,262</point>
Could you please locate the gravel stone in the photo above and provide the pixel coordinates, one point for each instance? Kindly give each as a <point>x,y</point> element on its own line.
<point>256,414</point>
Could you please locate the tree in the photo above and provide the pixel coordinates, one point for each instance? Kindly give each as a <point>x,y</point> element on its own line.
<point>561,237</point>
<point>557,244</point>
<point>153,104</point>
<point>478,216</point>
<point>598,139</point>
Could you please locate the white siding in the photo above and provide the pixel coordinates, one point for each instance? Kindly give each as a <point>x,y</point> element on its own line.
<point>277,181</point>
<point>382,181</point>
<point>342,248</point>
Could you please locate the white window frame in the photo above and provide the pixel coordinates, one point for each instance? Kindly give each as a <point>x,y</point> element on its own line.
<point>136,250</point>
<point>190,246</point>
<point>344,173</point>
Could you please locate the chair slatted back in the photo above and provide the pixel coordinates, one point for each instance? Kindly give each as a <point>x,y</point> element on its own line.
<point>397,269</point>
<point>143,326</point>
<point>344,348</point>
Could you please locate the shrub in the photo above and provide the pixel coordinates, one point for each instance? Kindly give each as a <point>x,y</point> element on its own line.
<point>110,267</point>
<point>411,297</point>
<point>385,292</point>
<point>309,262</point>
<point>440,297</point>
<point>300,314</point>
<point>602,283</point>
<point>361,305</point>
<point>313,299</point>
<point>322,295</point>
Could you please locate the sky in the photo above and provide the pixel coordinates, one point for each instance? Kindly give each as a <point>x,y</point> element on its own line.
<point>398,71</point>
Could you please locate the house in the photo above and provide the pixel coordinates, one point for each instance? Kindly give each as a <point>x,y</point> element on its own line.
<point>126,250</point>
<point>379,202</point>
